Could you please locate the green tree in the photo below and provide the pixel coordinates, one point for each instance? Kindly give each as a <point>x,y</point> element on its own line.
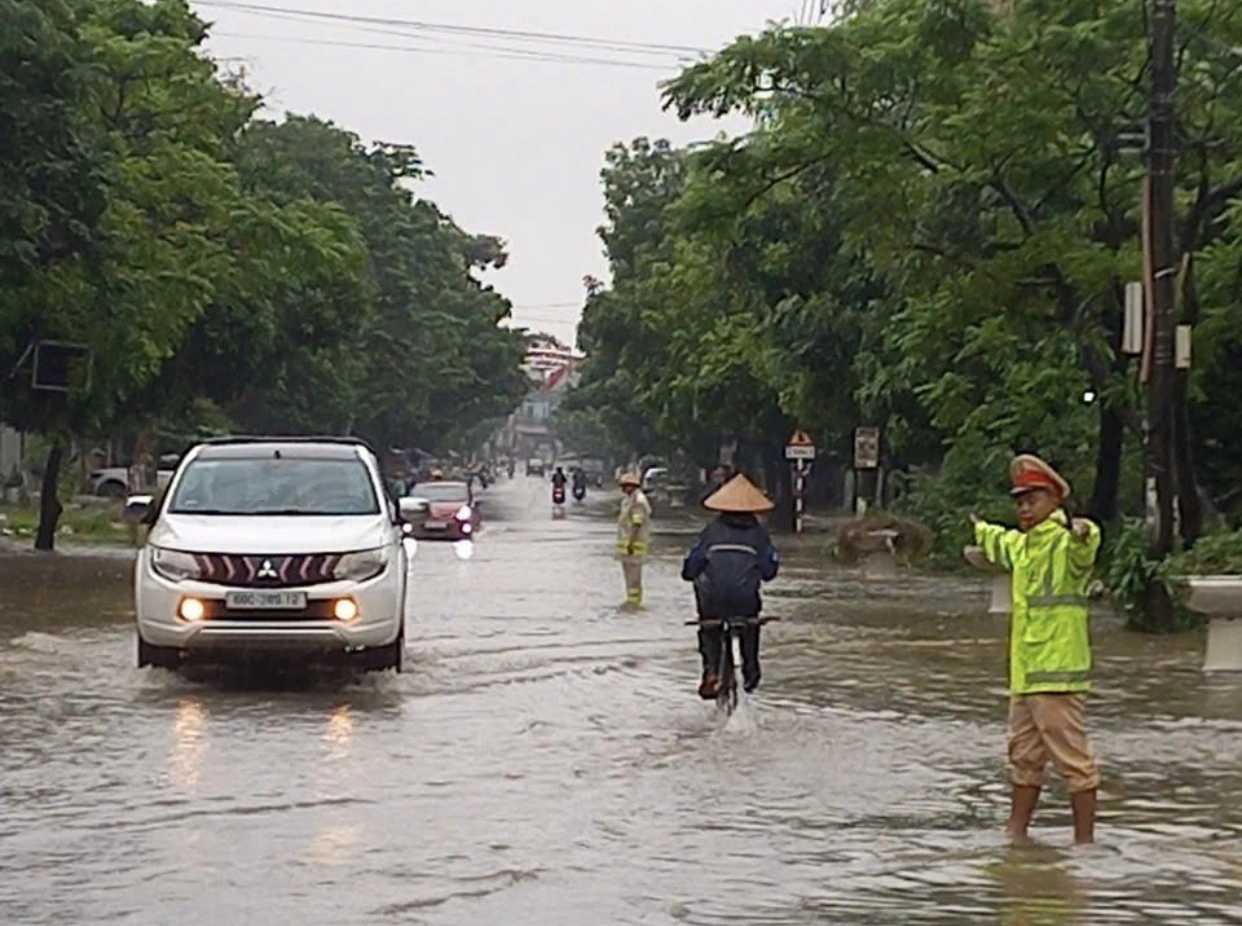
<point>281,275</point>
<point>161,125</point>
<point>433,353</point>
<point>978,162</point>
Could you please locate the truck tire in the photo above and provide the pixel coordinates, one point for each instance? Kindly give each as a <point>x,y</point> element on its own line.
<point>110,488</point>
<point>157,657</point>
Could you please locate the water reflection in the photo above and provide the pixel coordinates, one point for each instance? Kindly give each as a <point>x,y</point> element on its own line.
<point>333,844</point>
<point>340,732</point>
<point>1035,889</point>
<point>464,549</point>
<point>190,743</point>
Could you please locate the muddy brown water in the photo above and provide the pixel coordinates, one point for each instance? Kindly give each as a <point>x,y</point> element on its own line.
<point>544,760</point>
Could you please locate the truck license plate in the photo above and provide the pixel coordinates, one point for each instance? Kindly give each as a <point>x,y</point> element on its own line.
<point>265,601</point>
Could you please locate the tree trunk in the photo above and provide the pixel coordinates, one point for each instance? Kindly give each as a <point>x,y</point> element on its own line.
<point>49,503</point>
<point>1189,507</point>
<point>1108,466</point>
<point>782,490</point>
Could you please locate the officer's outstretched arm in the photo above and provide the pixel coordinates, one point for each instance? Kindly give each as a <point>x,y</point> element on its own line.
<point>997,543</point>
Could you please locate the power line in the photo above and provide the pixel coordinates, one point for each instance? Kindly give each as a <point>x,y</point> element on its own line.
<point>513,55</point>
<point>441,41</point>
<point>452,28</point>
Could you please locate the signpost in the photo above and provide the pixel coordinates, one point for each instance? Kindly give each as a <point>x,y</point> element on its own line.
<point>866,460</point>
<point>866,448</point>
<point>801,452</point>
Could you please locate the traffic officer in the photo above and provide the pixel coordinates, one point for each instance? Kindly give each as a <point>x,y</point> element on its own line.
<point>1051,557</point>
<point>633,537</point>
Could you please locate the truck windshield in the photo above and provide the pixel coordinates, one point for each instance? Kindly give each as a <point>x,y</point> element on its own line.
<point>266,486</point>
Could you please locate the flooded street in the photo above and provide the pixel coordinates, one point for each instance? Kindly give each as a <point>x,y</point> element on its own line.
<point>545,760</point>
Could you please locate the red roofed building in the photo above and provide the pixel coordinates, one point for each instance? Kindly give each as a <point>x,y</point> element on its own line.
<point>553,369</point>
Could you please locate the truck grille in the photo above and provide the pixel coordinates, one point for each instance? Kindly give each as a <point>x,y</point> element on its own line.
<point>296,571</point>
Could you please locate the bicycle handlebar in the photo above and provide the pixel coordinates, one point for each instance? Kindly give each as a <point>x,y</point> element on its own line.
<point>720,622</point>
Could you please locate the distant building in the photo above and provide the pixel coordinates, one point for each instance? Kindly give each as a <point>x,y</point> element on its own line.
<point>553,368</point>
<point>546,357</point>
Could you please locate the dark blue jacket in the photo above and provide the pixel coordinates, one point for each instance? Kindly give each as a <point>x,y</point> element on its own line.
<point>731,557</point>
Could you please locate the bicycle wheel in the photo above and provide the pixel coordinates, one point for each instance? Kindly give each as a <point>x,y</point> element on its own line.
<point>726,696</point>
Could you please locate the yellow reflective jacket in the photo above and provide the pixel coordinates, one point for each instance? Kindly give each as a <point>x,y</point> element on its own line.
<point>635,513</point>
<point>1049,630</point>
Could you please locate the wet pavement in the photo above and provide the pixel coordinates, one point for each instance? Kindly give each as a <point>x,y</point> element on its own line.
<point>544,760</point>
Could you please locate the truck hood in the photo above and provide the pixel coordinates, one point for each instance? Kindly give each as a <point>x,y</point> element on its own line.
<point>274,535</point>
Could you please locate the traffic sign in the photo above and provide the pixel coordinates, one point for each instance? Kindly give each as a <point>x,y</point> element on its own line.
<point>866,448</point>
<point>800,447</point>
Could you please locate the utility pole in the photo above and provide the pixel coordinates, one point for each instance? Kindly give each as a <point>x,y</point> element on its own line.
<point>1161,269</point>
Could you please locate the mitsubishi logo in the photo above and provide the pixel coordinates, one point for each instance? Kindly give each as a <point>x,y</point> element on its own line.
<point>268,571</point>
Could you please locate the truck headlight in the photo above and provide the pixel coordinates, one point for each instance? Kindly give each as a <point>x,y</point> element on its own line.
<point>360,566</point>
<point>175,565</point>
<point>464,513</point>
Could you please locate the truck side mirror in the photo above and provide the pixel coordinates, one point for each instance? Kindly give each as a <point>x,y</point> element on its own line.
<point>139,509</point>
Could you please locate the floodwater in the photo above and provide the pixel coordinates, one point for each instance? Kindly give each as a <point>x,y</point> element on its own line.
<point>544,760</point>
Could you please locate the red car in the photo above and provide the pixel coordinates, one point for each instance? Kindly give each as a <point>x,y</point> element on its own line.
<point>451,514</point>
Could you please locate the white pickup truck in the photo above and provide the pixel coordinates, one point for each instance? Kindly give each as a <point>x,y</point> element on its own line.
<point>114,481</point>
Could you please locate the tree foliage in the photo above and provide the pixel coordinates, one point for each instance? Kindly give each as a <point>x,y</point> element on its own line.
<point>929,228</point>
<point>286,275</point>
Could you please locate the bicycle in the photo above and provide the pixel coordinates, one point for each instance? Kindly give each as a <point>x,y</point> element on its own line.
<point>730,654</point>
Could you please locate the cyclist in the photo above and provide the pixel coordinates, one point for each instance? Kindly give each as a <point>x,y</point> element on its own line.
<point>728,562</point>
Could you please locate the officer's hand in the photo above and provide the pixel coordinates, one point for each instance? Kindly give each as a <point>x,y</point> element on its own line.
<point>1081,529</point>
<point>975,520</point>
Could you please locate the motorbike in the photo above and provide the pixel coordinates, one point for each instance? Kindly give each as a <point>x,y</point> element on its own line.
<point>579,493</point>
<point>558,501</point>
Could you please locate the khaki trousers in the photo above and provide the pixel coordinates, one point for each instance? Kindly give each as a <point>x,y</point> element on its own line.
<point>632,570</point>
<point>1051,726</point>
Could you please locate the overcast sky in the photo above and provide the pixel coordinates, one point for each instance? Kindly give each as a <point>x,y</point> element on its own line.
<point>516,143</point>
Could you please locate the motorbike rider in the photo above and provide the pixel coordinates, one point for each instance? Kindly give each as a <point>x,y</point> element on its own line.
<point>558,485</point>
<point>579,483</point>
<point>729,561</point>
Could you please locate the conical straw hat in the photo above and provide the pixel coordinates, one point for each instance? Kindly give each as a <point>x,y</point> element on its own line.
<point>738,496</point>
<point>629,479</point>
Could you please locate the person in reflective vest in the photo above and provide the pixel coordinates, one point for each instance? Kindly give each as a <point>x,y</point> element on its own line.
<point>732,556</point>
<point>1051,557</point>
<point>633,537</point>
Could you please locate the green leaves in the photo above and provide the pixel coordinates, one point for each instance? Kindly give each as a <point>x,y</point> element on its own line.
<point>930,225</point>
<point>284,274</point>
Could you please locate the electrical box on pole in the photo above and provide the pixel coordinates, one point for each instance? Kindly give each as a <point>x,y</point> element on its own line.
<point>1132,328</point>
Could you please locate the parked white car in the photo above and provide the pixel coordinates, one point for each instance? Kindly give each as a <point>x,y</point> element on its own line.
<point>115,481</point>
<point>280,547</point>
